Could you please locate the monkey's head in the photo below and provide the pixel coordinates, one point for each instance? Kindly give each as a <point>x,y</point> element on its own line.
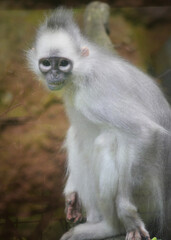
<point>57,50</point>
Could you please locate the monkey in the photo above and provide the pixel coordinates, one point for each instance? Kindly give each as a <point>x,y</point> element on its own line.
<point>118,142</point>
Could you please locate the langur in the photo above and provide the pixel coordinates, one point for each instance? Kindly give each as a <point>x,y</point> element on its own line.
<point>118,144</point>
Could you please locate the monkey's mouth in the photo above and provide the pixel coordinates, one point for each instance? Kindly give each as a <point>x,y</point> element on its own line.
<point>57,85</point>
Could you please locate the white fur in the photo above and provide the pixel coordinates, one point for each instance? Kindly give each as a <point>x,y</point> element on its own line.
<point>51,41</point>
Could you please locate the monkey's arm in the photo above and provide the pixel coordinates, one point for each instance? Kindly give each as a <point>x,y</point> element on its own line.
<point>73,208</point>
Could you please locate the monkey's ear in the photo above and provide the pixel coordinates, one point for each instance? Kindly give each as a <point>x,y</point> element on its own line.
<point>84,51</point>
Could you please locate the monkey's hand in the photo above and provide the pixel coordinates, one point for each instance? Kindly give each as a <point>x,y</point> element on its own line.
<point>73,208</point>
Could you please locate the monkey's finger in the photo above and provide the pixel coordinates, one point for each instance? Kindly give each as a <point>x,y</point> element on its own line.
<point>78,218</point>
<point>69,214</point>
<point>70,199</point>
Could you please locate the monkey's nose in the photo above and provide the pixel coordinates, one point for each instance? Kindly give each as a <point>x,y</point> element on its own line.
<point>54,73</point>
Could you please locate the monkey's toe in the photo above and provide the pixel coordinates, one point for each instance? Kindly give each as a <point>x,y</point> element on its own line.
<point>144,233</point>
<point>133,235</point>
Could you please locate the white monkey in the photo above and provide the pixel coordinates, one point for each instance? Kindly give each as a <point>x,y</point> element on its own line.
<point>119,140</point>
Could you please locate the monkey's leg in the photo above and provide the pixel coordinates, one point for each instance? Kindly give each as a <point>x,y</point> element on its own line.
<point>73,208</point>
<point>129,216</point>
<point>127,211</point>
<point>89,231</point>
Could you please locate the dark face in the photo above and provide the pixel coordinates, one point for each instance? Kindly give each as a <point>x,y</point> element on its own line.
<point>55,70</point>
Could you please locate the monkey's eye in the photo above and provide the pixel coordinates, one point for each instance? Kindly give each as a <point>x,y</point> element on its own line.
<point>65,65</point>
<point>44,65</point>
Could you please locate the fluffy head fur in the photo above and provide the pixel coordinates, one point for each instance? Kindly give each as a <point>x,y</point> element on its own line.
<point>63,19</point>
<point>57,36</point>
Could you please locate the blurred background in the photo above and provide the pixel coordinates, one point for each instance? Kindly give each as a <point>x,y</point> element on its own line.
<point>33,123</point>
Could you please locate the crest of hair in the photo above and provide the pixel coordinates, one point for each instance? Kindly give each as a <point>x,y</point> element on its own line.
<point>62,18</point>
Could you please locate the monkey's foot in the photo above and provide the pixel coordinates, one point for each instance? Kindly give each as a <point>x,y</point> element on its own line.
<point>138,234</point>
<point>73,208</point>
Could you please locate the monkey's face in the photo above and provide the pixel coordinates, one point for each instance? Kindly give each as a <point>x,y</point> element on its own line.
<point>50,58</point>
<point>55,70</point>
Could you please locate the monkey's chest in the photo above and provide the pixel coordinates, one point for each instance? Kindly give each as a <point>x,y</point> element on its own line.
<point>96,167</point>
